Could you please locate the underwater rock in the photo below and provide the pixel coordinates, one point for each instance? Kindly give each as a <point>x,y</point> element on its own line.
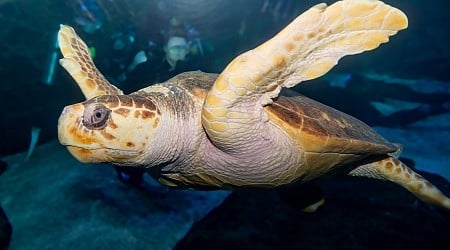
<point>357,214</point>
<point>54,201</point>
<point>5,230</point>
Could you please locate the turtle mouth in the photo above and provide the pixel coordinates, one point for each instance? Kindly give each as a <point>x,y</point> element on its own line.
<point>70,146</point>
<point>98,155</point>
<point>98,148</point>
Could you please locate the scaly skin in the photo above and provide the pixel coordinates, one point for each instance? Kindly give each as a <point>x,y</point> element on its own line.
<point>77,61</point>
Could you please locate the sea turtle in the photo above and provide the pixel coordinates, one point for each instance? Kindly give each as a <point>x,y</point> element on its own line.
<point>235,130</point>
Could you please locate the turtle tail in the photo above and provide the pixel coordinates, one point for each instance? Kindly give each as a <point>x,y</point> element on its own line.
<point>394,170</point>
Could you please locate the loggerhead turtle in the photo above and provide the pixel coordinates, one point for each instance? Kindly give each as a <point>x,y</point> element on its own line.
<point>234,130</point>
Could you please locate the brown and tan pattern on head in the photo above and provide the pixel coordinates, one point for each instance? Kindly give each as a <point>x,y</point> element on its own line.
<point>78,62</point>
<point>109,128</point>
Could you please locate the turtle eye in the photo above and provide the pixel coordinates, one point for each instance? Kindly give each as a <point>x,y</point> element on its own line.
<point>95,116</point>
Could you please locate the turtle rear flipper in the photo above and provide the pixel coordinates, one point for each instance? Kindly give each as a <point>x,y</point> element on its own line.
<point>392,169</point>
<point>78,62</point>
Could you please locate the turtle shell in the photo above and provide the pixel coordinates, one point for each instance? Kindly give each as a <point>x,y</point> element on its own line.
<point>314,126</point>
<point>327,137</point>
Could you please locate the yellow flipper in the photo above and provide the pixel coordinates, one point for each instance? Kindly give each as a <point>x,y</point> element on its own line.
<point>307,48</point>
<point>78,62</point>
<point>394,170</point>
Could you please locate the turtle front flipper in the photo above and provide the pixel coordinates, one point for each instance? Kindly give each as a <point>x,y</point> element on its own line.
<point>307,48</point>
<point>78,62</point>
<point>396,171</point>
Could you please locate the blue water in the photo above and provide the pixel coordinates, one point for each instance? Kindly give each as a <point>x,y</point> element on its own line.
<point>402,89</point>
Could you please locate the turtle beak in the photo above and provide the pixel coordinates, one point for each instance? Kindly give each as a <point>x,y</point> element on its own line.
<point>68,122</point>
<point>89,155</point>
<point>77,139</point>
<point>71,131</point>
<point>81,154</point>
<point>68,132</point>
<point>83,143</point>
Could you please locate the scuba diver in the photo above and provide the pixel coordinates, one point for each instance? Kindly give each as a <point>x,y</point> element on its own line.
<point>123,46</point>
<point>181,40</point>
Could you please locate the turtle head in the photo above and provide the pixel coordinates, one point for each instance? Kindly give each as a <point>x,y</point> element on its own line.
<point>109,128</point>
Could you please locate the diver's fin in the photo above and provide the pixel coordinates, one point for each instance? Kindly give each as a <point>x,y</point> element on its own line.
<point>313,207</point>
<point>394,170</point>
<point>78,62</point>
<point>307,196</point>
